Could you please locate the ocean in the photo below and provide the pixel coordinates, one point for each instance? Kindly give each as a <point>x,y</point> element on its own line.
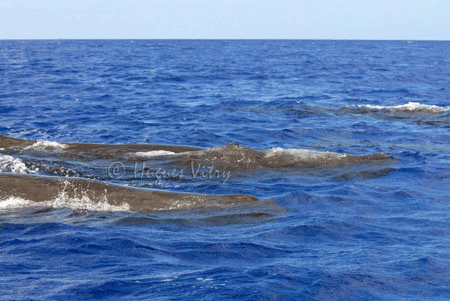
<point>224,169</point>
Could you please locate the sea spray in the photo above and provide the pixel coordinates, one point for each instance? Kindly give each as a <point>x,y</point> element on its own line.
<point>78,199</point>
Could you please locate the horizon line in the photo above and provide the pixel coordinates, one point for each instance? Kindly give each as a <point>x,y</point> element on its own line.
<point>223,39</point>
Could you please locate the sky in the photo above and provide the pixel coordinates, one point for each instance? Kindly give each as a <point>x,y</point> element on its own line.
<point>225,19</point>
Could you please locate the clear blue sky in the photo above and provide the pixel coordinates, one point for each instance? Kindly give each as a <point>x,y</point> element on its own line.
<point>223,19</point>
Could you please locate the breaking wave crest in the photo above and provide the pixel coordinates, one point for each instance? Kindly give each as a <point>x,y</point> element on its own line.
<point>409,107</point>
<point>156,153</point>
<point>14,165</point>
<point>12,203</point>
<point>47,145</point>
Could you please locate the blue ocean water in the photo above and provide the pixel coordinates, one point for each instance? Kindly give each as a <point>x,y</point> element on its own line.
<point>370,231</point>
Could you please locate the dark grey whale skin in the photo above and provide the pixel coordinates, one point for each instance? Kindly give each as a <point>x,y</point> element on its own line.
<point>44,189</point>
<point>229,158</point>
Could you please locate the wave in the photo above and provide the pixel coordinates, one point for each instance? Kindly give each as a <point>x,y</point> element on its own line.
<point>221,219</point>
<point>30,190</point>
<point>15,165</point>
<point>46,145</point>
<point>155,153</point>
<point>13,202</point>
<point>410,110</point>
<point>409,107</point>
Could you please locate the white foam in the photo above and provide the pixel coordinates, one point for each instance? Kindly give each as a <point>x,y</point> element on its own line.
<point>15,165</point>
<point>14,203</point>
<point>410,107</point>
<point>44,145</point>
<point>155,153</point>
<point>302,154</point>
<point>62,200</point>
<point>83,201</point>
